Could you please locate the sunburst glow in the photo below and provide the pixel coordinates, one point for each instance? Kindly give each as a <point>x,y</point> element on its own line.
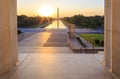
<point>46,11</point>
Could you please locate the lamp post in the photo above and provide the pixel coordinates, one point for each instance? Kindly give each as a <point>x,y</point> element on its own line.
<point>93,39</point>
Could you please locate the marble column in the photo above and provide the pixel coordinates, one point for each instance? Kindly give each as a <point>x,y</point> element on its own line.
<point>116,37</point>
<point>13,32</point>
<point>108,34</point>
<point>8,35</point>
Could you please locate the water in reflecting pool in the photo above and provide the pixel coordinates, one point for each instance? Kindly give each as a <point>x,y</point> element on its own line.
<point>54,25</point>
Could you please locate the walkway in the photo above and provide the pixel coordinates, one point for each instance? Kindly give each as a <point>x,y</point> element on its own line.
<point>57,39</point>
<point>41,62</point>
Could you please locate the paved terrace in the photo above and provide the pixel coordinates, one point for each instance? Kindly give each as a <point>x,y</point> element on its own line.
<point>45,55</point>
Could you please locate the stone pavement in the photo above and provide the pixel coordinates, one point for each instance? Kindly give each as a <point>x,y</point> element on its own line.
<point>37,61</point>
<point>57,39</point>
<point>25,35</point>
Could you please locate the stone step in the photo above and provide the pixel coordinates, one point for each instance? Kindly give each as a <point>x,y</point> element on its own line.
<point>45,50</point>
<point>59,35</point>
<point>64,39</point>
<point>55,44</point>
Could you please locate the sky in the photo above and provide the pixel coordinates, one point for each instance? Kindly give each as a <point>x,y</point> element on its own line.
<point>66,7</point>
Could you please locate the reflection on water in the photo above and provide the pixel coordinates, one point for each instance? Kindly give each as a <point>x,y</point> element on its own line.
<point>54,25</point>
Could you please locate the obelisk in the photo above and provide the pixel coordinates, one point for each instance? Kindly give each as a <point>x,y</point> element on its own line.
<point>58,18</point>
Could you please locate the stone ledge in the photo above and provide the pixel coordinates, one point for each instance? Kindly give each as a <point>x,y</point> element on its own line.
<point>73,44</point>
<point>76,47</point>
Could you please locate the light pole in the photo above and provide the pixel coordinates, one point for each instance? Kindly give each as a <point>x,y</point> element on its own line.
<point>93,39</point>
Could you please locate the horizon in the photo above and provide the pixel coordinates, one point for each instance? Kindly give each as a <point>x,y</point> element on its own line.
<point>67,9</point>
<point>60,17</point>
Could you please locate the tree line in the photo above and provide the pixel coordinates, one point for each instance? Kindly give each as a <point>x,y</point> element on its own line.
<point>93,22</point>
<point>24,21</point>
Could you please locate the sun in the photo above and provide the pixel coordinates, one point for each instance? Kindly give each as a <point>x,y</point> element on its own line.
<point>46,11</point>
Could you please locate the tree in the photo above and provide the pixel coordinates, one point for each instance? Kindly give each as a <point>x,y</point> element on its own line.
<point>26,22</point>
<point>93,22</point>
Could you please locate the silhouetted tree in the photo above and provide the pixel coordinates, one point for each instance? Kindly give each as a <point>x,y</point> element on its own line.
<point>26,22</point>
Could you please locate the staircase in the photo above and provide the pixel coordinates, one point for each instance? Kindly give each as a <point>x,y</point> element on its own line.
<point>58,38</point>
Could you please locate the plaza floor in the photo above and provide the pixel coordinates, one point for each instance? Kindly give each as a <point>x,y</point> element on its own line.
<point>44,56</point>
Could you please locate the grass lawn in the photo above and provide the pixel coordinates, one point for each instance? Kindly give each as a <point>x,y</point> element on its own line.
<point>89,37</point>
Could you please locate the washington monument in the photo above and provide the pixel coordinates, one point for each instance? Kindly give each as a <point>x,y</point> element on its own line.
<point>58,18</point>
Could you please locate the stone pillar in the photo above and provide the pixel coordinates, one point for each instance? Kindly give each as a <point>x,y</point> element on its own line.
<point>13,32</point>
<point>108,34</point>
<point>116,37</point>
<point>8,35</point>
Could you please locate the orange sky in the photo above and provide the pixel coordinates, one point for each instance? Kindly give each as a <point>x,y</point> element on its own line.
<point>67,7</point>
